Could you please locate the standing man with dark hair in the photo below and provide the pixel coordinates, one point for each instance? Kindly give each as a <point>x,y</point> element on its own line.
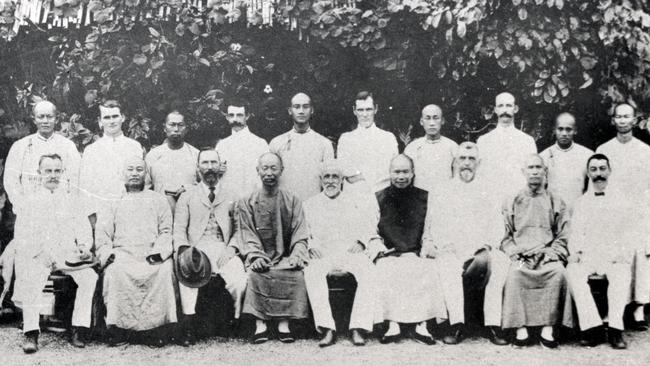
<point>628,158</point>
<point>239,151</point>
<point>204,220</point>
<point>566,161</point>
<point>49,233</point>
<point>433,153</point>
<point>504,149</point>
<point>302,150</point>
<point>604,240</point>
<point>536,231</point>
<point>21,176</point>
<point>102,165</point>
<point>409,290</point>
<point>172,165</point>
<point>273,240</point>
<point>366,151</point>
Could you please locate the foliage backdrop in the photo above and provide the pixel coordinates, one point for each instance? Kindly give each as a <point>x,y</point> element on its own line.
<point>554,55</point>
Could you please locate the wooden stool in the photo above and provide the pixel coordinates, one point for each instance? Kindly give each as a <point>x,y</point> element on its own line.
<point>62,291</point>
<point>598,285</point>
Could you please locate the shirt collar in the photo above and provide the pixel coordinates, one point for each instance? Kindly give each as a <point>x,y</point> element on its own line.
<point>241,132</point>
<point>206,189</point>
<point>113,139</point>
<point>40,137</point>
<point>567,149</point>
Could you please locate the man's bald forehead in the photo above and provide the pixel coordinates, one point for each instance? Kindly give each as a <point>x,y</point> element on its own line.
<point>134,161</point>
<point>269,158</point>
<point>431,108</point>
<point>467,146</point>
<point>401,159</point>
<point>301,98</point>
<point>44,106</point>
<point>565,117</point>
<point>532,159</point>
<point>331,166</point>
<point>504,97</point>
<point>625,107</point>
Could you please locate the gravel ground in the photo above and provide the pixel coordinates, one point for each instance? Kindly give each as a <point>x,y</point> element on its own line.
<point>55,350</point>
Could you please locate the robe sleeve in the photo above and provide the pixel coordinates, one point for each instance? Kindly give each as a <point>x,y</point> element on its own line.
<point>163,242</point>
<point>104,234</point>
<point>181,221</point>
<point>12,170</point>
<point>508,244</point>
<point>560,229</point>
<point>249,243</point>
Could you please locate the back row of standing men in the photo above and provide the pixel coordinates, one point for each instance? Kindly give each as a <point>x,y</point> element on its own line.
<point>365,155</point>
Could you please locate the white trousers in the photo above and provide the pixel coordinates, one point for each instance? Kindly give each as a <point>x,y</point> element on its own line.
<point>619,276</point>
<point>233,274</point>
<point>363,308</point>
<point>30,281</point>
<point>450,272</point>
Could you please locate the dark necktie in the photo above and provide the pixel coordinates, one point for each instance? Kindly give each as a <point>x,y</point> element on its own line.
<point>211,195</point>
<point>599,193</point>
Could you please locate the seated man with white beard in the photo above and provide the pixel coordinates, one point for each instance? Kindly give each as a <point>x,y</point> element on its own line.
<point>342,230</point>
<point>134,244</point>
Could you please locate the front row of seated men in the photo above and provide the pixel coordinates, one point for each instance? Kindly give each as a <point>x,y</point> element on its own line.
<point>426,249</point>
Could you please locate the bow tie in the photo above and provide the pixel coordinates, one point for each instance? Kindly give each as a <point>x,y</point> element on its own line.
<point>599,194</point>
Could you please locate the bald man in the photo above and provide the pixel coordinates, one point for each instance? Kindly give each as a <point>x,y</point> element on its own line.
<point>536,292</point>
<point>134,245</point>
<point>21,176</point>
<point>302,150</point>
<point>504,149</point>
<point>273,241</point>
<point>433,153</point>
<point>566,161</point>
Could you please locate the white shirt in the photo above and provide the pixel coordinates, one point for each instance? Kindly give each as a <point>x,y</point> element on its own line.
<point>604,227</point>
<point>241,151</point>
<point>462,218</point>
<point>629,163</point>
<point>369,151</point>
<point>21,176</point>
<point>567,170</point>
<point>336,224</point>
<point>433,161</point>
<point>503,152</point>
<point>171,169</point>
<point>101,176</point>
<point>302,155</point>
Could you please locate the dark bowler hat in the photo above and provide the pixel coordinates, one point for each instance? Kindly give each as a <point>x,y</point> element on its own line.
<point>193,267</point>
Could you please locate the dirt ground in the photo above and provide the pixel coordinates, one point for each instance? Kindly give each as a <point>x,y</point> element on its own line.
<point>55,350</point>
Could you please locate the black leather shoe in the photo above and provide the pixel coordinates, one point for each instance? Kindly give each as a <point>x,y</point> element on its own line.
<point>386,339</point>
<point>591,337</point>
<point>78,340</point>
<point>30,343</point>
<point>615,338</point>
<point>497,337</point>
<point>424,339</point>
<point>551,344</point>
<point>116,337</point>
<point>156,342</point>
<point>329,338</point>
<point>357,338</point>
<point>639,325</point>
<point>260,338</point>
<point>521,343</point>
<point>187,336</point>
<point>286,337</point>
<point>456,335</point>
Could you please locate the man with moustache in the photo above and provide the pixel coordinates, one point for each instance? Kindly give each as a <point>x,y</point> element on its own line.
<point>504,149</point>
<point>566,161</point>
<point>48,235</point>
<point>240,151</point>
<point>604,238</point>
<point>409,289</point>
<point>432,154</point>
<point>366,151</point>
<point>302,150</point>
<point>21,176</point>
<point>628,157</point>
<point>134,245</point>
<point>536,292</point>
<point>343,232</point>
<point>171,165</point>
<point>102,165</point>
<point>463,233</point>
<point>274,242</point>
<point>203,220</point>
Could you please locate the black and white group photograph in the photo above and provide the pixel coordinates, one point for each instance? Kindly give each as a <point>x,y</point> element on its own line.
<point>324,182</point>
